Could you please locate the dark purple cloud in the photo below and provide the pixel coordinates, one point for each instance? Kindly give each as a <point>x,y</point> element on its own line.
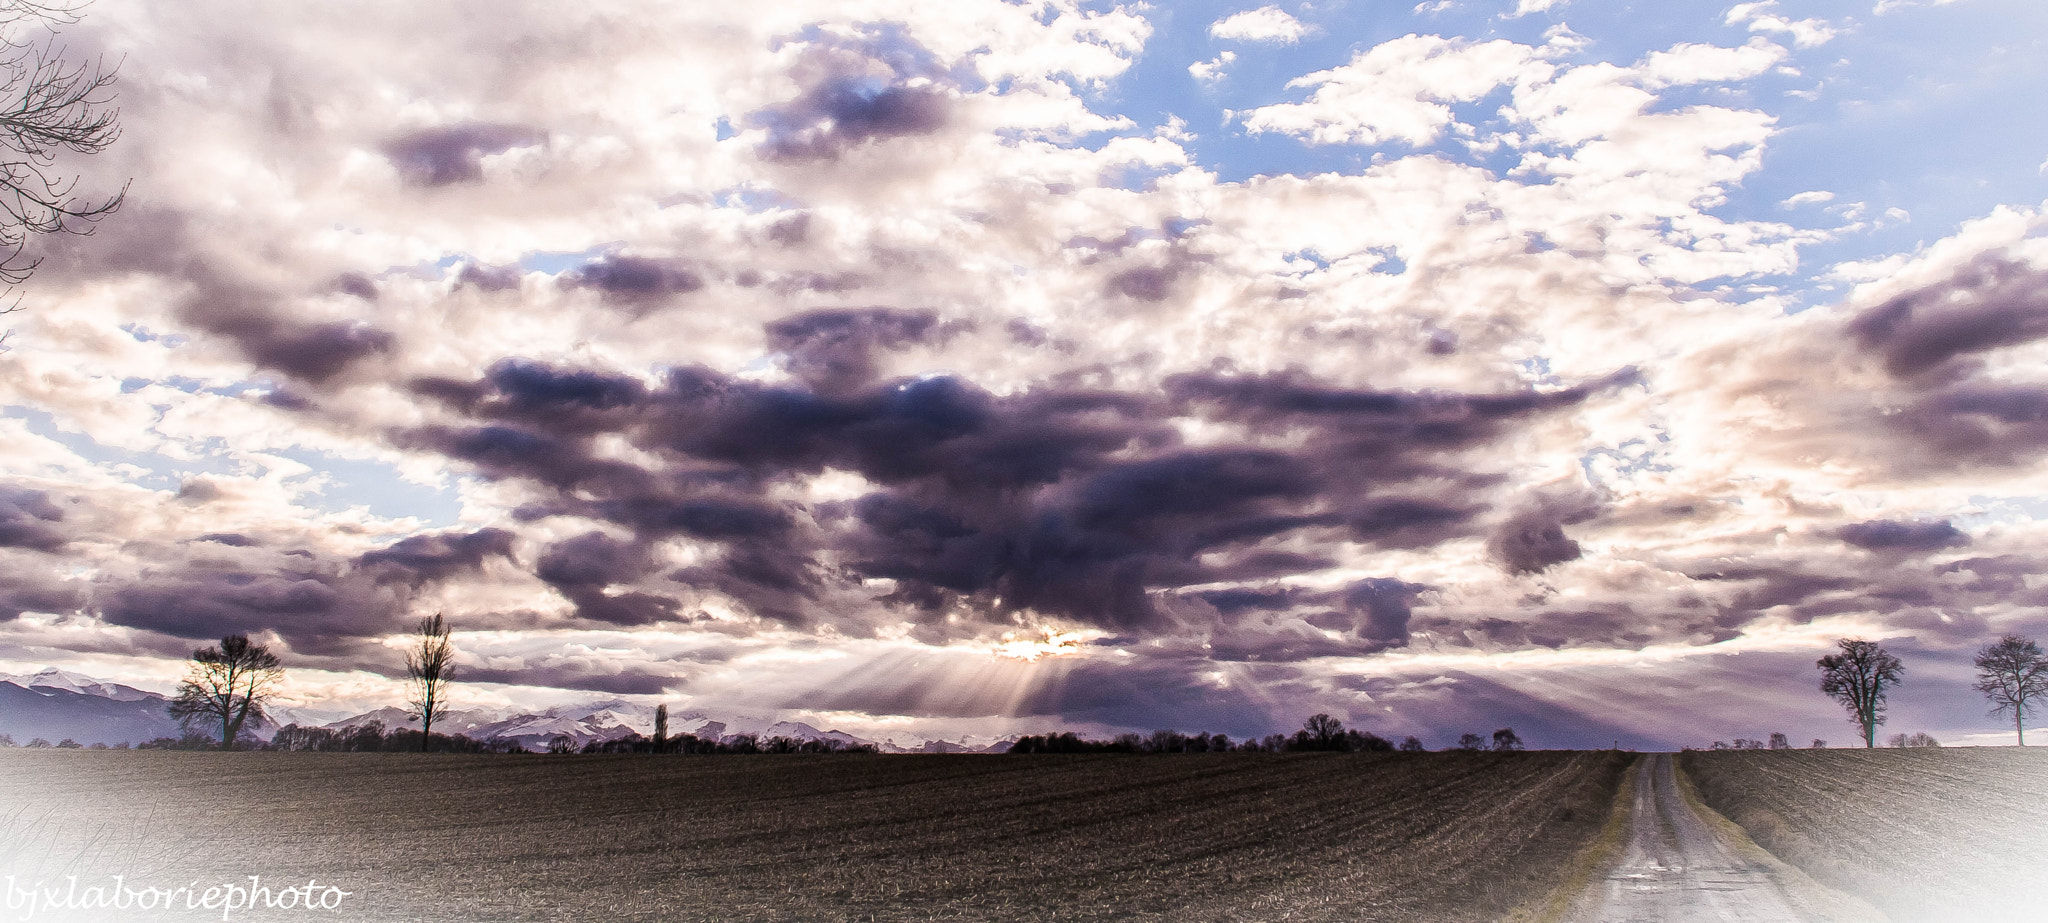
<point>585,568</point>
<point>28,519</point>
<point>1532,541</point>
<point>454,154</point>
<point>833,349</point>
<point>314,352</point>
<point>323,608</point>
<point>1989,303</point>
<point>25,589</point>
<point>636,279</point>
<point>436,555</point>
<point>1064,501</point>
<point>488,278</point>
<point>1903,535</point>
<point>857,90</point>
<point>310,609</point>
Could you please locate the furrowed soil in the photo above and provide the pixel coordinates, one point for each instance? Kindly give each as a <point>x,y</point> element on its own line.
<point>1923,834</point>
<point>436,837</point>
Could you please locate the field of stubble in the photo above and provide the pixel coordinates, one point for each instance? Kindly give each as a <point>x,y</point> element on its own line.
<point>1925,835</point>
<point>1386,837</point>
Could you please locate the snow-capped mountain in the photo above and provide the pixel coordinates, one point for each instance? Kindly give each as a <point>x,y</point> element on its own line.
<point>55,705</point>
<point>53,678</point>
<point>614,719</point>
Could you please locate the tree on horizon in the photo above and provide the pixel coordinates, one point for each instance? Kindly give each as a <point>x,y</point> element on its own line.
<point>227,685</point>
<point>431,664</point>
<point>2013,673</point>
<point>1859,678</point>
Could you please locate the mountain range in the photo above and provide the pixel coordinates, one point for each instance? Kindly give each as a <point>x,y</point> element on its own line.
<point>614,719</point>
<point>53,704</point>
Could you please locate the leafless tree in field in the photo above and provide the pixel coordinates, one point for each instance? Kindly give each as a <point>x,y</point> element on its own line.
<point>226,687</point>
<point>1321,731</point>
<point>431,663</point>
<point>48,105</point>
<point>1859,677</point>
<point>2013,674</point>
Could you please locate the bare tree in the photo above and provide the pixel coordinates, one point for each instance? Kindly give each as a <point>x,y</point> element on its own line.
<point>1320,732</point>
<point>1471,741</point>
<point>2013,674</point>
<point>1859,677</point>
<point>431,663</point>
<point>48,105</point>
<point>661,728</point>
<point>227,686</point>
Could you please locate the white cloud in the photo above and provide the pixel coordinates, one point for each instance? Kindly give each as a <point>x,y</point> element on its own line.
<point>1693,63</point>
<point>1211,70</point>
<point>1812,197</point>
<point>1396,91</point>
<point>1267,25</point>
<point>1761,17</point>
<point>1526,7</point>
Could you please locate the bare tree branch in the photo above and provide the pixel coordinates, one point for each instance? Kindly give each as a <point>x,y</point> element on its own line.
<point>49,107</point>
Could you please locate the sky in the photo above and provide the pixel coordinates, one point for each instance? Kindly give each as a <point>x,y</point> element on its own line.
<point>984,367</point>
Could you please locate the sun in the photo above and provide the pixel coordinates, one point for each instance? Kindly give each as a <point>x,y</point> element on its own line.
<point>1032,646</point>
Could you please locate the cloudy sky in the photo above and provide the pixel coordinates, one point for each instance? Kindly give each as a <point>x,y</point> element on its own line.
<point>992,366</point>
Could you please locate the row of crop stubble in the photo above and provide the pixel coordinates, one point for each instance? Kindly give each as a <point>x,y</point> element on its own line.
<point>1923,834</point>
<point>1432,836</point>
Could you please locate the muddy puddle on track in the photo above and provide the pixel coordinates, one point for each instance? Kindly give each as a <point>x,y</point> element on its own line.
<point>1677,866</point>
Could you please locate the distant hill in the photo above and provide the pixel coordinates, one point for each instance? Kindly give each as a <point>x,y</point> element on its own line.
<point>54,705</point>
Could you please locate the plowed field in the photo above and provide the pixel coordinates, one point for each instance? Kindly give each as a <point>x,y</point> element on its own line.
<point>1388,837</point>
<point>1924,834</point>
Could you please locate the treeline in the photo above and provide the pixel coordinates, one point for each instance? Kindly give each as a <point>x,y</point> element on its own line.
<point>1320,733</point>
<point>371,737</point>
<point>737,743</point>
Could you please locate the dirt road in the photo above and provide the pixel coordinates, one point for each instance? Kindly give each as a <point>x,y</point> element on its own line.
<point>1678,868</point>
